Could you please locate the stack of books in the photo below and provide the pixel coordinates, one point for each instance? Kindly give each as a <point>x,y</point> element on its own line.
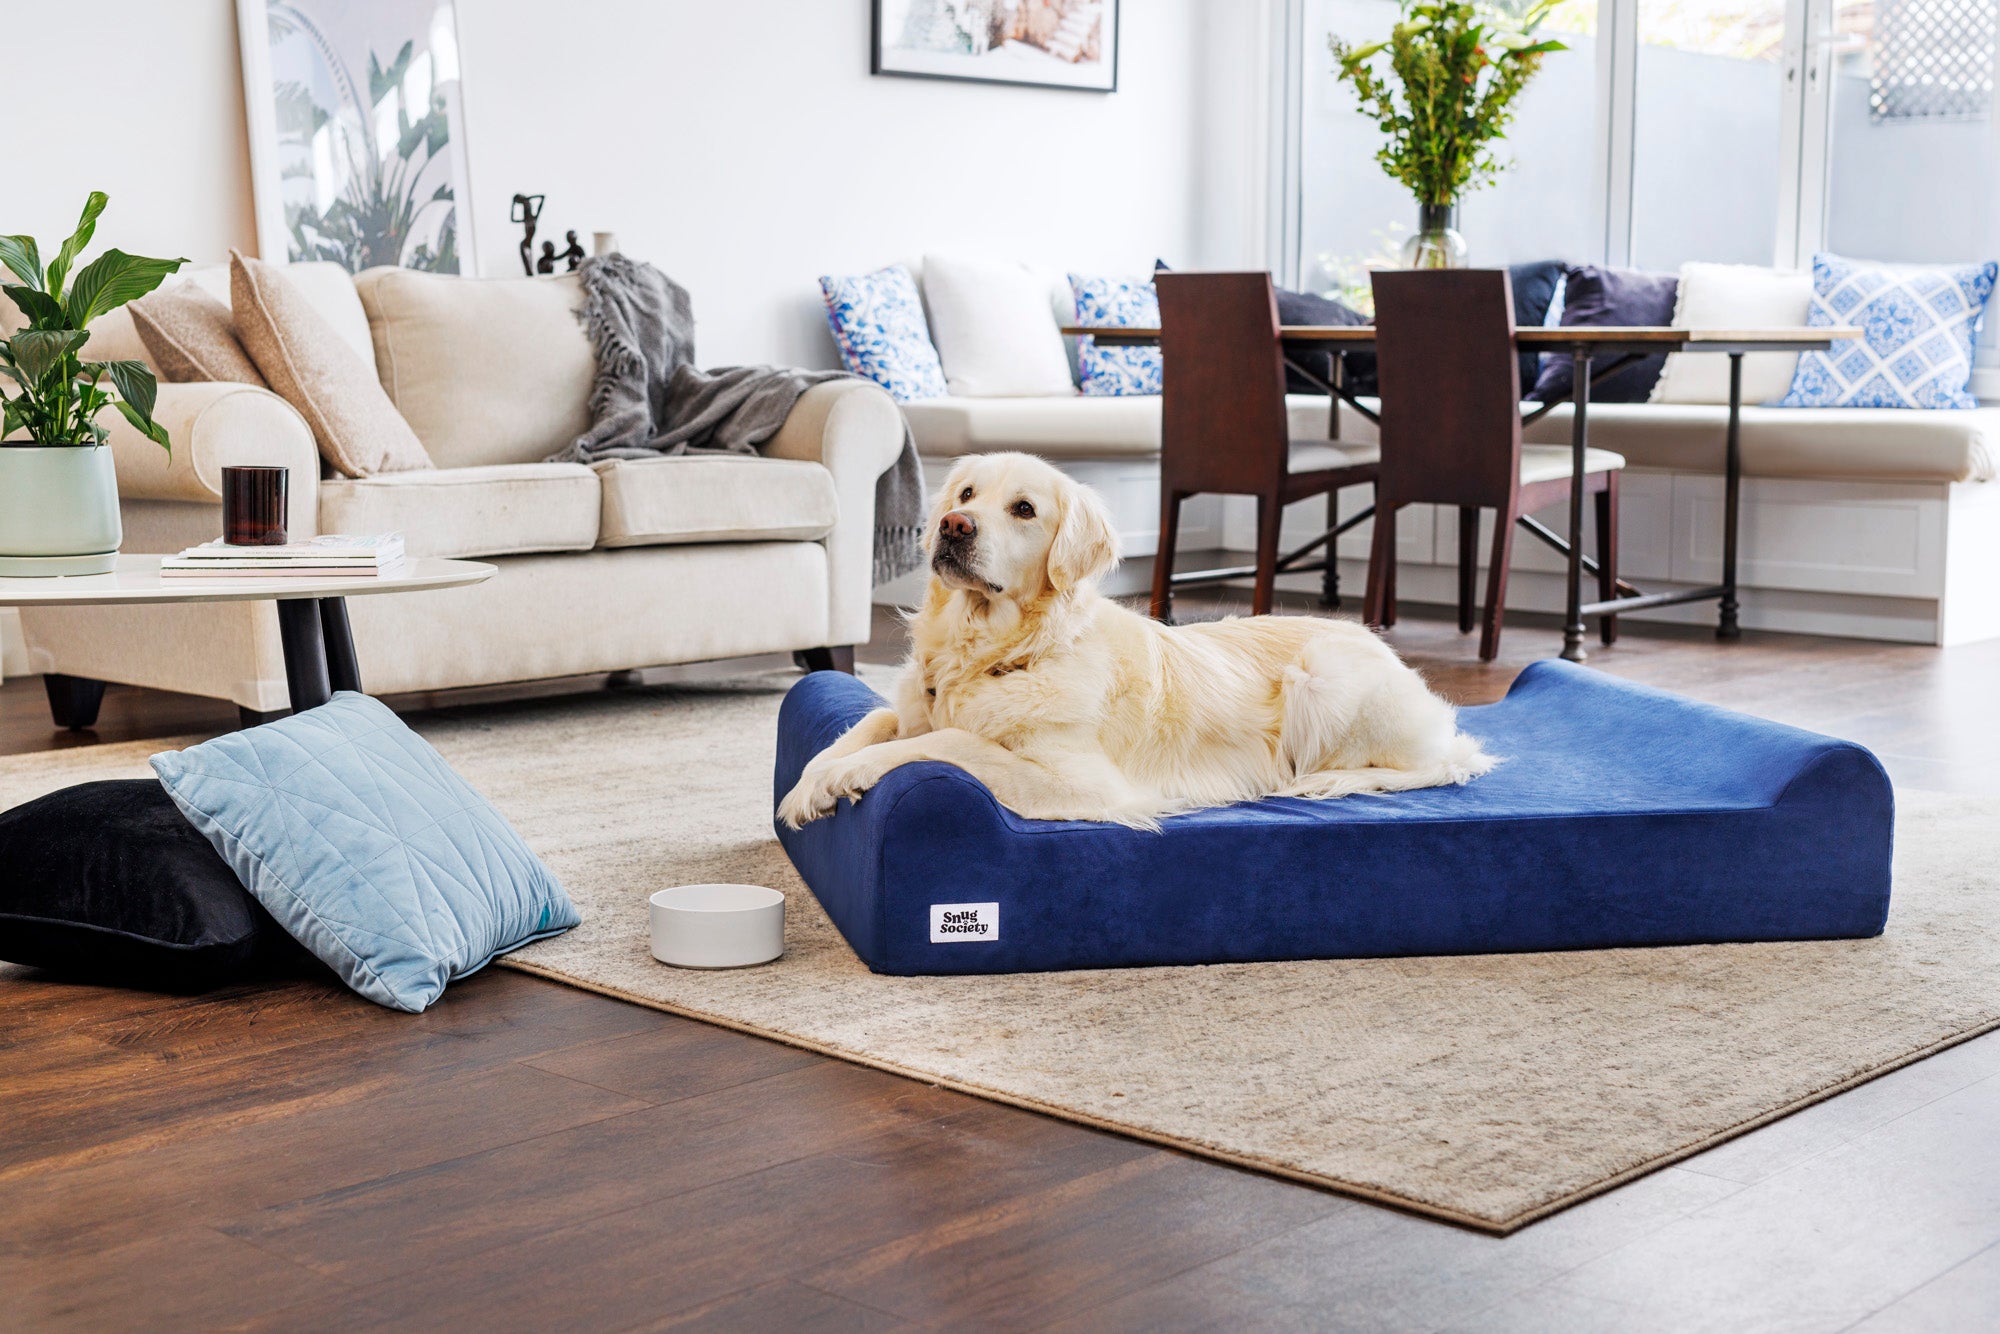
<point>330,555</point>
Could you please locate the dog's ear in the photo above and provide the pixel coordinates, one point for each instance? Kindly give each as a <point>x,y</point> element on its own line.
<point>1086,544</point>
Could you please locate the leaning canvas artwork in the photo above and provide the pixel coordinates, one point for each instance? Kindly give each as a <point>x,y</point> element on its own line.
<point>1049,43</point>
<point>357,132</point>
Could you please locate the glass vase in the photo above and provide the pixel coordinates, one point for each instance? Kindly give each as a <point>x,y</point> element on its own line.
<point>1437,244</point>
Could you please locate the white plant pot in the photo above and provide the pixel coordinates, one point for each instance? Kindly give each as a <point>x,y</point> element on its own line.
<point>58,510</point>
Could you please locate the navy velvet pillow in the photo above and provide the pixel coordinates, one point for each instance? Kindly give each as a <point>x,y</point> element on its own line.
<point>108,882</point>
<point>1534,292</point>
<point>1600,296</point>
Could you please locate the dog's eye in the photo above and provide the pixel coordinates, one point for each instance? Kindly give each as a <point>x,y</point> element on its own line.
<point>965,495</point>
<point>1022,510</point>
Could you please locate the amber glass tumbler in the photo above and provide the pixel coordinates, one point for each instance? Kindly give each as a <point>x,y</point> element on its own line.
<point>253,506</point>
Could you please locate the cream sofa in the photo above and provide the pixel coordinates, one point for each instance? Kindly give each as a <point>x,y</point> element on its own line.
<point>1876,523</point>
<point>607,568</point>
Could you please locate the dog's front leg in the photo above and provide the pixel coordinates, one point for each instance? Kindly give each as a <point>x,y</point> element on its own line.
<point>1020,784</point>
<point>810,798</point>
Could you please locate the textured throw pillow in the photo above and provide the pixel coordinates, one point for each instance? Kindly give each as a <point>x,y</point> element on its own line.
<point>878,324</point>
<point>995,329</point>
<point>1115,303</point>
<point>311,367</point>
<point>191,337</point>
<point>367,848</point>
<point>1917,327</point>
<point>1535,285</point>
<point>108,882</point>
<point>1734,296</point>
<point>1593,295</point>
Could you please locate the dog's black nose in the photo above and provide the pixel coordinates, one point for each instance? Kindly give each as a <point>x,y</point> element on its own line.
<point>957,524</point>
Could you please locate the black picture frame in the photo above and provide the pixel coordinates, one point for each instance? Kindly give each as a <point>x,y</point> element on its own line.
<point>888,68</point>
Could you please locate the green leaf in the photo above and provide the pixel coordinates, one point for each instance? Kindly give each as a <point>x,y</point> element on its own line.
<point>11,417</point>
<point>59,266</point>
<point>39,307</point>
<point>37,351</point>
<point>136,384</point>
<point>21,256</point>
<point>149,428</point>
<point>112,279</point>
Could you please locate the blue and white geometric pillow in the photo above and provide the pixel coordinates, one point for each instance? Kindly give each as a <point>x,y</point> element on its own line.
<point>878,323</point>
<point>1113,303</point>
<point>1917,329</point>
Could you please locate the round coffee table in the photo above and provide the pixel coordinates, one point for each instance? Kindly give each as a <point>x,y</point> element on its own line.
<point>312,616</point>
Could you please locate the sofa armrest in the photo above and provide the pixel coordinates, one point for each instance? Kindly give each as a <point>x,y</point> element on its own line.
<point>213,425</point>
<point>856,431</point>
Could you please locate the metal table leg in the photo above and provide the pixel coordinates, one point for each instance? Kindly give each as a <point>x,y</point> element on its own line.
<point>1579,439</point>
<point>1727,628</point>
<point>343,670</point>
<point>300,632</point>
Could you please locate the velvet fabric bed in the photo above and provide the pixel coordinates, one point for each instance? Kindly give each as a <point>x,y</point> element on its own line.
<point>1621,815</point>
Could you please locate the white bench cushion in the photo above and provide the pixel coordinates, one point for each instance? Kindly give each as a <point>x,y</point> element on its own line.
<point>502,510</point>
<point>1056,428</point>
<point>691,498</point>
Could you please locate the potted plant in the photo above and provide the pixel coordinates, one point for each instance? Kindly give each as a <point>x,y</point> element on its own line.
<point>1459,67</point>
<point>58,489</point>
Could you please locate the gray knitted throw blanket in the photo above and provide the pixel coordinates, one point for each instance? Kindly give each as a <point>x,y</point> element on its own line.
<point>649,400</point>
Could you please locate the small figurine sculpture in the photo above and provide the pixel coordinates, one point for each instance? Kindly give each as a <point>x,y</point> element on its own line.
<point>527,212</point>
<point>573,254</point>
<point>547,262</point>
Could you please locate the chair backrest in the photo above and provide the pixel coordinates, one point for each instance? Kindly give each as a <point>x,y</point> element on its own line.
<point>1450,381</point>
<point>1222,416</point>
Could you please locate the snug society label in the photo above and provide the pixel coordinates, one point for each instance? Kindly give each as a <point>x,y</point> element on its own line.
<point>955,923</point>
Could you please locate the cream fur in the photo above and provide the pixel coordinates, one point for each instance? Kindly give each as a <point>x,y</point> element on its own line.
<point>1068,706</point>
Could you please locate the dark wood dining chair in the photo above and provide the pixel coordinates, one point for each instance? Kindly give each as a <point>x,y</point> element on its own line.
<point>1450,381</point>
<point>1224,431</point>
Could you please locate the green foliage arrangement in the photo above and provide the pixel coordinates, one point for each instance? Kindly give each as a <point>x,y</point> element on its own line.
<point>59,394</point>
<point>1459,67</point>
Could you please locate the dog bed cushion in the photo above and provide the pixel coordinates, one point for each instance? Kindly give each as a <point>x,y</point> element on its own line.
<point>1620,815</point>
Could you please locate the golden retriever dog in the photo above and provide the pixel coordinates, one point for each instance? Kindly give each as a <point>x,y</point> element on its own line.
<point>1068,706</point>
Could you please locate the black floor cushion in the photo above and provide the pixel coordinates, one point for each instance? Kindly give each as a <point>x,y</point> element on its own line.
<point>108,882</point>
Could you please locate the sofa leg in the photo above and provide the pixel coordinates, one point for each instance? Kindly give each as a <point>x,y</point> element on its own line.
<point>73,700</point>
<point>837,658</point>
<point>248,717</point>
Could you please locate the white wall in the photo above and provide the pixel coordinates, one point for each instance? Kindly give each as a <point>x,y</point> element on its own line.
<point>743,147</point>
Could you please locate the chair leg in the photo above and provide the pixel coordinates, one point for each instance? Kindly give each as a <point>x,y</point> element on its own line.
<point>1163,559</point>
<point>1270,514</point>
<point>1607,553</point>
<point>73,700</point>
<point>832,658</point>
<point>1468,564</point>
<point>1496,583</point>
<point>1381,565</point>
<point>1329,578</point>
<point>247,717</point>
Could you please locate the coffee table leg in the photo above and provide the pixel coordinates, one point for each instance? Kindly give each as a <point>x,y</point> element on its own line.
<point>1579,440</point>
<point>1731,486</point>
<point>343,670</point>
<point>305,653</point>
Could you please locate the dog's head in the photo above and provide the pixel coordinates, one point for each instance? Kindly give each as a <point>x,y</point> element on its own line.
<point>1010,526</point>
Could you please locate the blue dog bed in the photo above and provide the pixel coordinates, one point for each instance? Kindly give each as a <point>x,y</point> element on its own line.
<point>1620,816</point>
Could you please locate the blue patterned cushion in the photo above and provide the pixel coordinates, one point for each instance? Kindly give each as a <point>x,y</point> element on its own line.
<point>1114,303</point>
<point>363,843</point>
<point>878,323</point>
<point>1917,328</point>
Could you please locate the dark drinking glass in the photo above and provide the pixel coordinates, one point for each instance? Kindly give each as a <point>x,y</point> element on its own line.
<point>253,507</point>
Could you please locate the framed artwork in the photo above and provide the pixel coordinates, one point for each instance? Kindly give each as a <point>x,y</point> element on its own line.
<point>1041,43</point>
<point>357,133</point>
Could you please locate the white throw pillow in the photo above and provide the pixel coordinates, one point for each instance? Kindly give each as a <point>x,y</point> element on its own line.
<point>995,330</point>
<point>1734,296</point>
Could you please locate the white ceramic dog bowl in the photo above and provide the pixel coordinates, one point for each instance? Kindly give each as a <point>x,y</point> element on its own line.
<point>718,926</point>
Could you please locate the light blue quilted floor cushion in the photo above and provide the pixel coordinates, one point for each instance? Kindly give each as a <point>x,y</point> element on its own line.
<point>357,836</point>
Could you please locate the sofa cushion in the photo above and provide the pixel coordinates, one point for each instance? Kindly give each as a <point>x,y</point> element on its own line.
<point>995,331</point>
<point>309,365</point>
<point>190,338</point>
<point>1734,296</point>
<point>485,370</point>
<point>502,510</point>
<point>1594,296</point>
<point>1917,329</point>
<point>1094,427</point>
<point>690,498</point>
<point>326,287</point>
<point>1885,444</point>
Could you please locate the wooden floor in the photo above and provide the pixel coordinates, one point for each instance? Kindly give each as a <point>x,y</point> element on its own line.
<point>527,1156</point>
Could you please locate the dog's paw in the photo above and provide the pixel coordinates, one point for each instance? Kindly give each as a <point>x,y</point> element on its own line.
<point>848,778</point>
<point>806,802</point>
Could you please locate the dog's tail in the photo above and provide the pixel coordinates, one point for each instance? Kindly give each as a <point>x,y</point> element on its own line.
<point>1463,762</point>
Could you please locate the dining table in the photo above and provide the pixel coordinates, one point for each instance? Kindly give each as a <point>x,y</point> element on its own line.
<point>1598,351</point>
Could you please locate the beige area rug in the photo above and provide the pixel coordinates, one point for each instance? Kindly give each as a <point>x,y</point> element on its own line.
<point>1490,1091</point>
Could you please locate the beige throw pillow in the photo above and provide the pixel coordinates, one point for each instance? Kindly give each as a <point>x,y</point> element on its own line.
<point>309,366</point>
<point>190,337</point>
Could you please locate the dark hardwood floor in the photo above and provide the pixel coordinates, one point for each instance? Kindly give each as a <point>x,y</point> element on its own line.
<point>527,1156</point>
